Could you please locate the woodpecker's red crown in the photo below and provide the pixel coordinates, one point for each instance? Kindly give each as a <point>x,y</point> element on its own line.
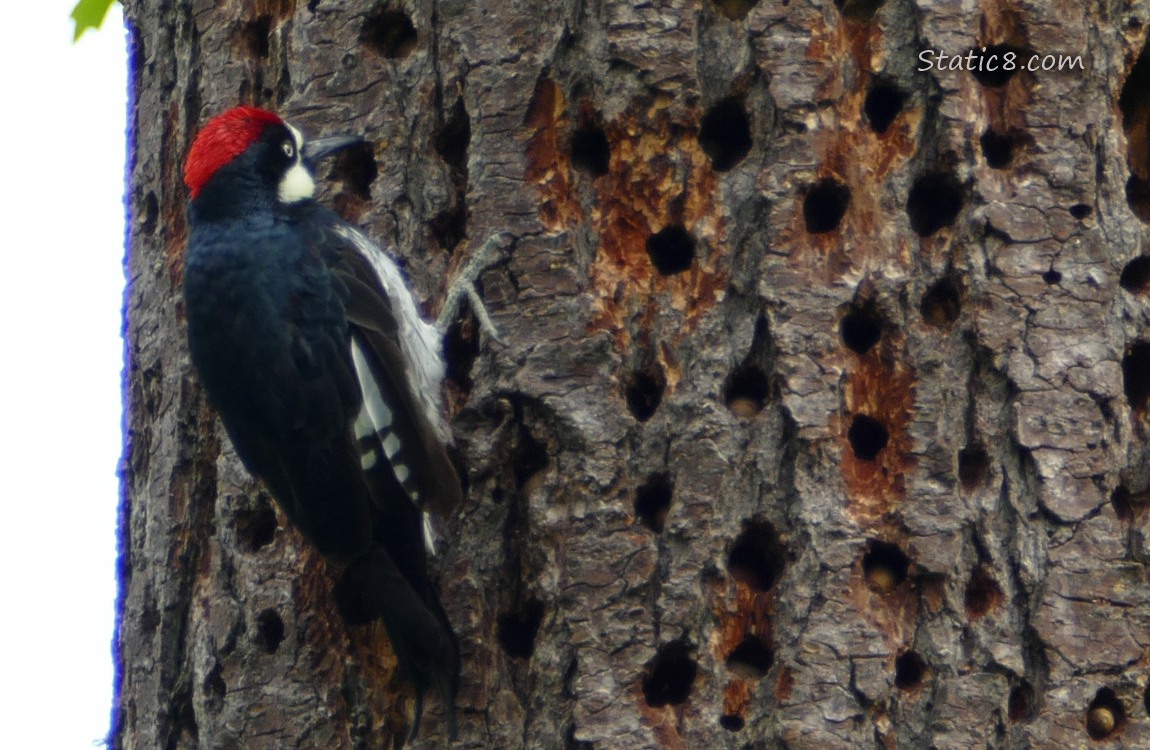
<point>224,138</point>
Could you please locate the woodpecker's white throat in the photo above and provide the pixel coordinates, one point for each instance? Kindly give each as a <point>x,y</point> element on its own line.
<point>297,183</point>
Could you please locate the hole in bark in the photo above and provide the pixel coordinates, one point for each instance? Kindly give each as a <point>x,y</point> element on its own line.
<point>757,557</point>
<point>1135,276</point>
<point>1080,211</point>
<point>933,203</point>
<point>653,502</point>
<point>883,103</point>
<point>732,722</point>
<point>644,391</point>
<point>1052,277</point>
<point>448,228</point>
<point>751,659</point>
<point>460,350</point>
<point>748,387</point>
<point>861,329</point>
<point>255,526</point>
<point>571,742</point>
<point>1135,96</point>
<point>214,683</point>
<point>990,64</point>
<point>151,213</point>
<point>671,250</point>
<point>746,391</point>
<point>982,594</point>
<point>1105,716</point>
<point>867,437</point>
<point>453,138</point>
<point>1136,376</point>
<point>885,566</point>
<point>1123,504</point>
<point>1146,698</point>
<point>725,134</point>
<point>517,630</point>
<point>669,676</point>
<point>736,10</point>
<point>941,304</point>
<point>825,205</point>
<point>530,460</point>
<point>256,36</point>
<point>909,671</point>
<point>355,167</point>
<point>569,676</point>
<point>973,467</point>
<point>389,33</point>
<point>149,618</point>
<point>590,151</point>
<point>1134,101</point>
<point>182,726</point>
<point>1020,704</point>
<point>997,149</point>
<point>269,631</point>
<point>858,10</point>
<point>1138,196</point>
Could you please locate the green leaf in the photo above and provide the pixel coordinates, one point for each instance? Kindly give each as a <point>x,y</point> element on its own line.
<point>89,14</point>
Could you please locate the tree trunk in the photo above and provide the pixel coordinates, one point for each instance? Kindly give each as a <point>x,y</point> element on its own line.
<point>822,418</point>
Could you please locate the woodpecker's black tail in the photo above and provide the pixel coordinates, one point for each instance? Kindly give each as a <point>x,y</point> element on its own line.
<point>373,588</point>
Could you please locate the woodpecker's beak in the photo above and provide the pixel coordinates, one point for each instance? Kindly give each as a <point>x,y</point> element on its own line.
<point>315,150</point>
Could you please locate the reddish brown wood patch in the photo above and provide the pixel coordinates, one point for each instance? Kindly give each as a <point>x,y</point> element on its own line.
<point>883,389</point>
<point>548,159</point>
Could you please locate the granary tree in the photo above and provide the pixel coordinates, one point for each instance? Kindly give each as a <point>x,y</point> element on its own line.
<point>820,416</point>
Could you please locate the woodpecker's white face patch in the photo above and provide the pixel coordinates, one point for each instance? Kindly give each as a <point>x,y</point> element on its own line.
<point>297,183</point>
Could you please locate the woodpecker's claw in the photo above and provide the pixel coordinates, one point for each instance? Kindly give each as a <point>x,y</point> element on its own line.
<point>464,286</point>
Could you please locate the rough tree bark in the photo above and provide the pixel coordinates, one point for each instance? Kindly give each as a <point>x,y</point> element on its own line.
<point>822,421</point>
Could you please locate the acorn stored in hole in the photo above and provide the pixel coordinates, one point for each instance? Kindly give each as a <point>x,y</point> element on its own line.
<point>882,579</point>
<point>1100,722</point>
<point>744,408</point>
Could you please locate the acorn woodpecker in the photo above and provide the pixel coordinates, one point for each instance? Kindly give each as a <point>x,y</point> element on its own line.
<point>309,345</point>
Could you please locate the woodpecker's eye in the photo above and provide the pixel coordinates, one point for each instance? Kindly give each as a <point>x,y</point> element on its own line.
<point>289,149</point>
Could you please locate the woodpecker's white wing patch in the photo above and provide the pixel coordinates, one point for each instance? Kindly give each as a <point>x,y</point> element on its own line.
<point>373,433</point>
<point>377,410</point>
<point>391,445</point>
<point>297,183</point>
<point>419,340</point>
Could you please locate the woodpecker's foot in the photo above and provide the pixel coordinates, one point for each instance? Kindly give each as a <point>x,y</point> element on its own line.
<point>464,286</point>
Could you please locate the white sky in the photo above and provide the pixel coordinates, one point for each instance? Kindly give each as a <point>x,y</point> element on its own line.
<point>61,285</point>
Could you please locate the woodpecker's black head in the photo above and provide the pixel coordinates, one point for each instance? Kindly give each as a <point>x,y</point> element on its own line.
<point>248,153</point>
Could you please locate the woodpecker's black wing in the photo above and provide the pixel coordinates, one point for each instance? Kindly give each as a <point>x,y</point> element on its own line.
<point>404,466</point>
<point>403,436</point>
